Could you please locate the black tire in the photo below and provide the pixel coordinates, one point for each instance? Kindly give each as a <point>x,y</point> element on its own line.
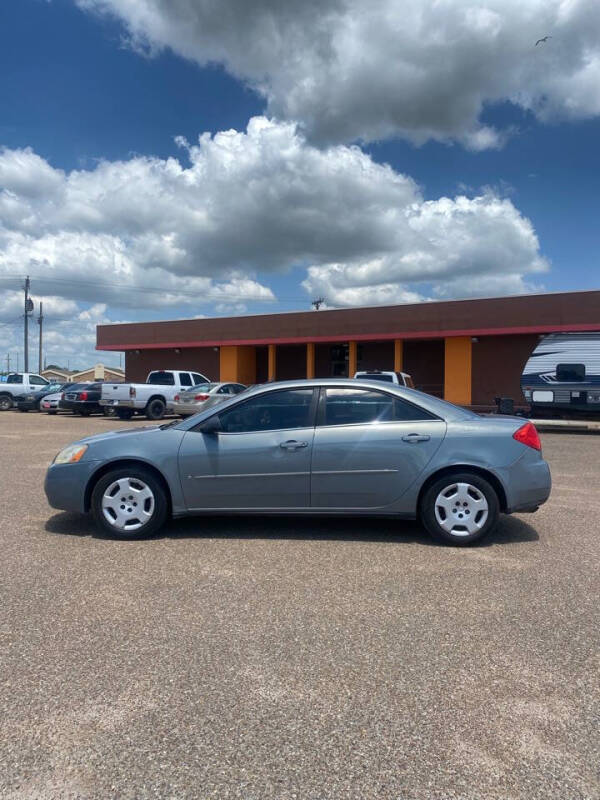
<point>427,510</point>
<point>85,412</point>
<point>155,409</point>
<point>124,413</point>
<point>6,402</point>
<point>160,511</point>
<point>109,411</point>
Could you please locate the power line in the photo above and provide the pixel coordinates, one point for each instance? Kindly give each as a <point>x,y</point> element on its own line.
<point>155,289</point>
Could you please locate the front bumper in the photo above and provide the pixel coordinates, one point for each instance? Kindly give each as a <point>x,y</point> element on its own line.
<point>26,405</point>
<point>65,485</point>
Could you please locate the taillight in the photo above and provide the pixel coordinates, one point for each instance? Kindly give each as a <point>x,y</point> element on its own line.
<point>176,398</point>
<point>528,435</point>
<point>132,391</point>
<point>200,398</point>
<point>62,396</point>
<point>83,395</point>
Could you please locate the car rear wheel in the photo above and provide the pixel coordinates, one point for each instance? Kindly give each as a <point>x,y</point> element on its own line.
<point>5,402</point>
<point>129,503</point>
<point>460,508</point>
<point>155,409</point>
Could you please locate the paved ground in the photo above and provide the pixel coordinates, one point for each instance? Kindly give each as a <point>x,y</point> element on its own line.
<point>308,659</point>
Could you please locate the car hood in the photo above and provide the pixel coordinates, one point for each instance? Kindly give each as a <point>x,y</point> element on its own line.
<point>147,430</point>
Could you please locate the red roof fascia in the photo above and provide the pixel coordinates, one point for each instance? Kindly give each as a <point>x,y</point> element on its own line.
<point>360,337</point>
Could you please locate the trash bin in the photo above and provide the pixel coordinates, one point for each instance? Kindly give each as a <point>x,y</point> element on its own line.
<point>505,405</point>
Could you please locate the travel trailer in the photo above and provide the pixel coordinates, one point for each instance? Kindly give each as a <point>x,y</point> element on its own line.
<point>562,376</point>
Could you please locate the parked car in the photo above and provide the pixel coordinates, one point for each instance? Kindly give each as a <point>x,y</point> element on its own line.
<point>313,446</point>
<point>399,378</point>
<point>153,398</point>
<point>31,401</point>
<point>204,396</point>
<point>82,398</point>
<point>49,403</point>
<point>18,383</point>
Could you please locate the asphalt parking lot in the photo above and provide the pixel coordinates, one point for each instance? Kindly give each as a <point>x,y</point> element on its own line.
<point>281,658</point>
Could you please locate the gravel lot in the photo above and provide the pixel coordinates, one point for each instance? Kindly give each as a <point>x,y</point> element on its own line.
<point>309,659</point>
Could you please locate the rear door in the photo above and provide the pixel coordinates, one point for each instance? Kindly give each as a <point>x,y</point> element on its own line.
<point>369,447</point>
<point>260,458</point>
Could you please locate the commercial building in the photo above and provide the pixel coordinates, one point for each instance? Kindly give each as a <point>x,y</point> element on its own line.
<point>468,351</point>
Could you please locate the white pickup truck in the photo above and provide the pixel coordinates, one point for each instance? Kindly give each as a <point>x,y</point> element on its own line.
<point>153,398</point>
<point>18,383</point>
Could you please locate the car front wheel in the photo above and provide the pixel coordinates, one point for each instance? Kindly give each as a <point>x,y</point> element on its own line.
<point>129,503</point>
<point>460,508</point>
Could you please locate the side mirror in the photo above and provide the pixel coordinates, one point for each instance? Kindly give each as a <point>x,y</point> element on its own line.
<point>212,425</point>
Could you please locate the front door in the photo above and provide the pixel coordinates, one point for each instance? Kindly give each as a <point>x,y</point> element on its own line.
<point>369,447</point>
<point>259,459</point>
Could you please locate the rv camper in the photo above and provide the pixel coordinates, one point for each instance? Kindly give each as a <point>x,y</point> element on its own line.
<point>562,376</point>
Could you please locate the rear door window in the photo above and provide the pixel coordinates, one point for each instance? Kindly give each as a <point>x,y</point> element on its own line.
<point>341,406</point>
<point>14,378</point>
<point>185,379</point>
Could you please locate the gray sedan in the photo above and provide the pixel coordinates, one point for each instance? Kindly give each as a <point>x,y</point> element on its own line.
<point>203,396</point>
<point>310,447</point>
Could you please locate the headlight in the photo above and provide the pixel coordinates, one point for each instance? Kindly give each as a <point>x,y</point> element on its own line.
<point>71,454</point>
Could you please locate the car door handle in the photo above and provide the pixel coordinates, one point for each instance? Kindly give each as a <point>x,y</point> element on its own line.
<point>292,444</point>
<point>413,438</point>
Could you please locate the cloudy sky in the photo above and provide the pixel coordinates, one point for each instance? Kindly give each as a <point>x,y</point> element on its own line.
<point>176,158</point>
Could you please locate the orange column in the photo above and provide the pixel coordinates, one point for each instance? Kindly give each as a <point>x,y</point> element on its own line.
<point>237,364</point>
<point>457,370</point>
<point>398,355</point>
<point>352,358</point>
<point>310,360</point>
<point>272,362</point>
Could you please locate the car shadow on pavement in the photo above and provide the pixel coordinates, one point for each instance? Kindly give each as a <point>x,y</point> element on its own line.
<point>368,529</point>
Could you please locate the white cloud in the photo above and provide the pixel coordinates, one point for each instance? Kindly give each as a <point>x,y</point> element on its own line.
<point>369,69</point>
<point>149,233</point>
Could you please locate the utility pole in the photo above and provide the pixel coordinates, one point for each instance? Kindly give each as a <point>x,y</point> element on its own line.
<point>40,323</point>
<point>8,362</point>
<point>28,310</point>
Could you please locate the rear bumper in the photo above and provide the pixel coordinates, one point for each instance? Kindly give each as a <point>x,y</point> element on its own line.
<point>529,485</point>
<point>185,409</point>
<point>118,403</point>
<point>79,405</point>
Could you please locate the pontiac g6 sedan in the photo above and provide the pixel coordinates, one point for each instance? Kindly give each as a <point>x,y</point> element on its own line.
<point>337,447</point>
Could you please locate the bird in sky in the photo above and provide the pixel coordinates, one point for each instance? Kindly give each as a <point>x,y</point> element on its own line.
<point>541,41</point>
